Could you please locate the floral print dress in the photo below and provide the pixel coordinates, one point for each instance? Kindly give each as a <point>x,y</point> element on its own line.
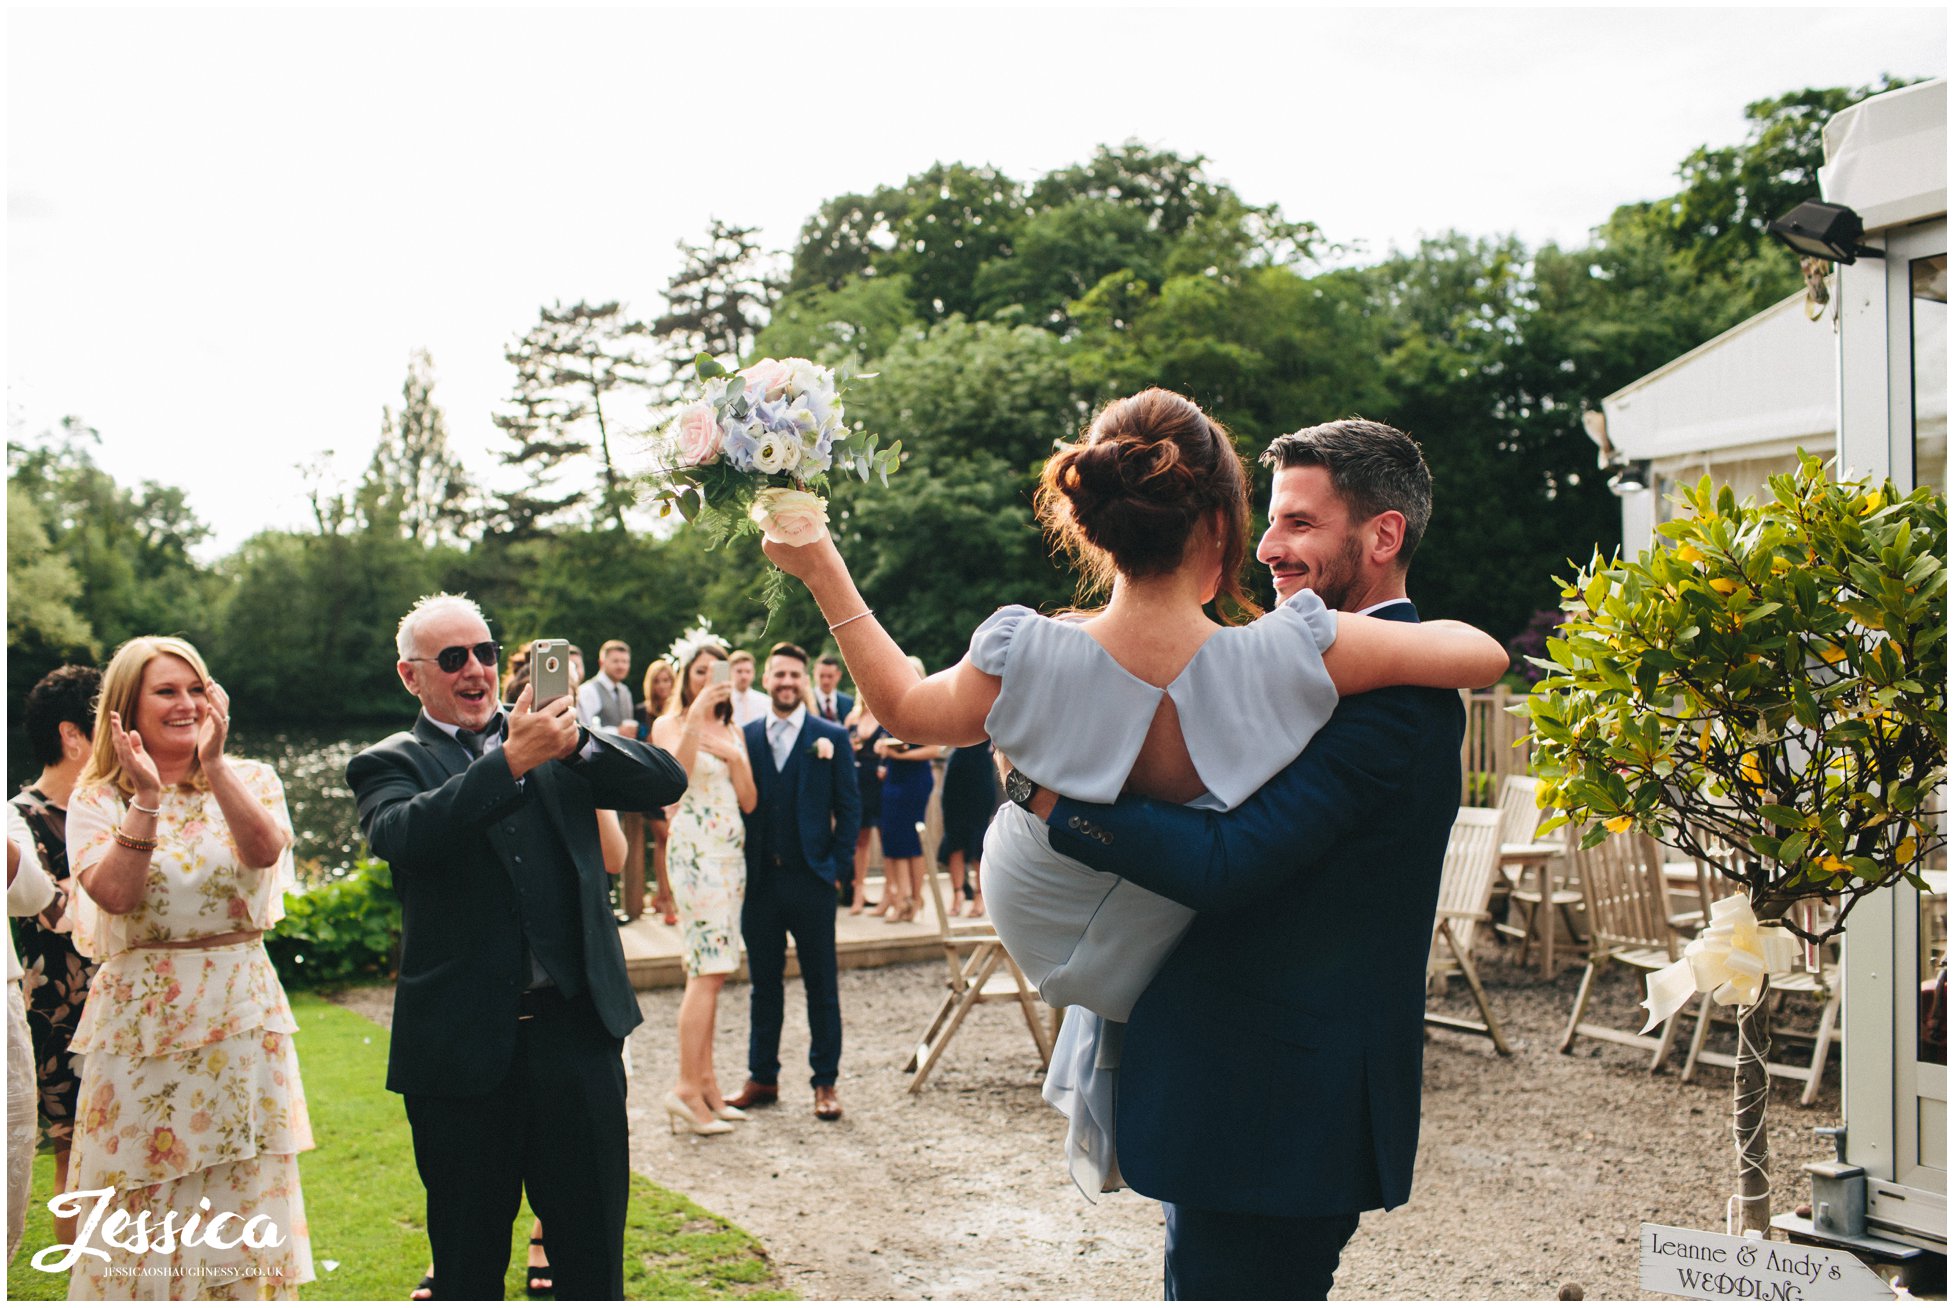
<point>190,1092</point>
<point>705,861</point>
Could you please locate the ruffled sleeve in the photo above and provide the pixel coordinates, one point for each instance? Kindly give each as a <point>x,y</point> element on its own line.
<point>1308,614</point>
<point>990,644</point>
<point>267,905</point>
<point>92,817</point>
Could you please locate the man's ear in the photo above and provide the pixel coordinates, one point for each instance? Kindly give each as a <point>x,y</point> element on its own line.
<point>1387,537</point>
<point>408,672</point>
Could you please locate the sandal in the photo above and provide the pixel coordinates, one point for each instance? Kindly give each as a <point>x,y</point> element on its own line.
<point>539,1272</point>
<point>427,1283</point>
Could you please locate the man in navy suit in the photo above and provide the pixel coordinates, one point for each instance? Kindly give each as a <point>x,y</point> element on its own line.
<point>1270,1076</point>
<point>800,838</point>
<point>828,699</point>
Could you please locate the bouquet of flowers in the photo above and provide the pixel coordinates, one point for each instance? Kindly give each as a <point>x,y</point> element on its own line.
<point>755,451</point>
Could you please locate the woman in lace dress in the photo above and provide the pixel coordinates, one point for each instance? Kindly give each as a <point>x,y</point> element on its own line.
<point>705,859</point>
<point>1148,694</point>
<point>190,1092</point>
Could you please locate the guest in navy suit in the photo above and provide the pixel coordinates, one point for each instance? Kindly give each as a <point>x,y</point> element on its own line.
<point>829,700</point>
<point>1270,1077</point>
<point>800,841</point>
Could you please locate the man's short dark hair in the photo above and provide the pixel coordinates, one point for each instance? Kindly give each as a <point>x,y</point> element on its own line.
<point>66,694</point>
<point>1374,468</point>
<point>786,649</point>
<point>828,661</point>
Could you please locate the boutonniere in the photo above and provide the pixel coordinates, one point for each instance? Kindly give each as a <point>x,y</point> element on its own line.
<point>823,747</point>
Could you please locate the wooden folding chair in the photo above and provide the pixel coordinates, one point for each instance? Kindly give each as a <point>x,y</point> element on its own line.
<point>981,972</point>
<point>1465,888</point>
<point>1535,867</point>
<point>1628,923</point>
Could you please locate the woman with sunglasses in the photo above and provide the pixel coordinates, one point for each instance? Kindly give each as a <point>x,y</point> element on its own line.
<point>190,1094</point>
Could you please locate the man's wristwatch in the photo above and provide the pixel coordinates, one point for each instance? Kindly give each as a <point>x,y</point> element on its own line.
<point>1019,788</point>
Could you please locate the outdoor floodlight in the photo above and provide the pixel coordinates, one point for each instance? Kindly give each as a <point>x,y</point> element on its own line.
<point>1823,231</point>
<point>1632,479</point>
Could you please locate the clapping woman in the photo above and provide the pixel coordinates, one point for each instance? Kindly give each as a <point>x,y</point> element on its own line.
<point>190,1092</point>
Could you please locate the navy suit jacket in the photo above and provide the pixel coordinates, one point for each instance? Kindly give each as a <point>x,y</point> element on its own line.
<point>844,704</point>
<point>827,802</point>
<point>1274,1065</point>
<point>449,828</point>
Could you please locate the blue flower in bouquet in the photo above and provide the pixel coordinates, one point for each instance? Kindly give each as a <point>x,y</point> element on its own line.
<point>741,442</point>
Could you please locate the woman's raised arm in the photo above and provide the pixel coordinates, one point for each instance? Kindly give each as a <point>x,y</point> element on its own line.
<point>946,708</point>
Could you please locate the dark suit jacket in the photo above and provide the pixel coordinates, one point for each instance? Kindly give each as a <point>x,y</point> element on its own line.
<point>449,829</point>
<point>1274,1065</point>
<point>827,801</point>
<point>844,704</point>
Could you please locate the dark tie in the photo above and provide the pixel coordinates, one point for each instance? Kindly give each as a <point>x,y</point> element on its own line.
<point>472,741</point>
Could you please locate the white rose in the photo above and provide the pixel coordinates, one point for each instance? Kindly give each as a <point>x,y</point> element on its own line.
<point>790,517</point>
<point>791,452</point>
<point>771,457</point>
<point>823,747</point>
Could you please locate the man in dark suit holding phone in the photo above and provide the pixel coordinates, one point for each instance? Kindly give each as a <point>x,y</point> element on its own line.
<point>1270,1075</point>
<point>800,839</point>
<point>513,1003</point>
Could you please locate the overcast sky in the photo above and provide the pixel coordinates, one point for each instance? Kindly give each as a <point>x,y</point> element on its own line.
<point>228,229</point>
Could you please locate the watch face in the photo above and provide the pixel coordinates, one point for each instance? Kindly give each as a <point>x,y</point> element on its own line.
<point>1018,787</point>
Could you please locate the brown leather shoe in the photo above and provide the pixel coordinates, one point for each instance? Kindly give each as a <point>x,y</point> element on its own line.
<point>753,1094</point>
<point>827,1104</point>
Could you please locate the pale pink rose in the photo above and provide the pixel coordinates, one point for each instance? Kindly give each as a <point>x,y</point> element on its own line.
<point>823,747</point>
<point>699,436</point>
<point>790,517</point>
<point>767,379</point>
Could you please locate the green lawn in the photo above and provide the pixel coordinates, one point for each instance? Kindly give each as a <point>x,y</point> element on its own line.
<point>364,1200</point>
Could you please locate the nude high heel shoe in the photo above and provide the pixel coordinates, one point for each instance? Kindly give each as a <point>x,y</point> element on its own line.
<point>728,1113</point>
<point>679,1114</point>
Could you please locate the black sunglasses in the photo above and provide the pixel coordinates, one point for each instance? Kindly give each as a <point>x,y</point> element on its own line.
<point>454,658</point>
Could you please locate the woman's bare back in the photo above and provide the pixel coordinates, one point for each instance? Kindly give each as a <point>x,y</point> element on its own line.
<point>1157,652</point>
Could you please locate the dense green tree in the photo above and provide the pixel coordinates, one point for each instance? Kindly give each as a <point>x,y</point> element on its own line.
<point>415,485</point>
<point>845,238</point>
<point>857,321</point>
<point>130,548</point>
<point>717,301</point>
<point>574,360</point>
<point>954,219</point>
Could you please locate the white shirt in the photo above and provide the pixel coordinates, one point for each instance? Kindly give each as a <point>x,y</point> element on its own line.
<point>748,705</point>
<point>782,733</point>
<point>31,890</point>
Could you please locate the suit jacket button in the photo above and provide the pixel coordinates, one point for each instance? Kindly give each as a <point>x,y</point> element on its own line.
<point>1076,823</point>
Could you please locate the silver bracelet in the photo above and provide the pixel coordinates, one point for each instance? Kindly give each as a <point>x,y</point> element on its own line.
<point>845,621</point>
<point>153,812</point>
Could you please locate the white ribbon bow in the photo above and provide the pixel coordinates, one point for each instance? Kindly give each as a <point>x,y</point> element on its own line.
<point>1728,962</point>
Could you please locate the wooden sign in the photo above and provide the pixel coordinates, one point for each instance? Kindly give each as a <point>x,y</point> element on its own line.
<point>1711,1265</point>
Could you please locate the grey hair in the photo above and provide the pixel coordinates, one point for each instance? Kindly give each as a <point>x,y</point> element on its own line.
<point>426,609</point>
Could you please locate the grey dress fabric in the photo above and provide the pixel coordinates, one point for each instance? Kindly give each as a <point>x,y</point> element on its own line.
<point>1071,718</point>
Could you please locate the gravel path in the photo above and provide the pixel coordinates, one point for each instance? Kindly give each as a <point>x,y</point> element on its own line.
<point>1533,1170</point>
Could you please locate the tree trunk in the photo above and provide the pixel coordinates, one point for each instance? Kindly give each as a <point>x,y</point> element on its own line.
<point>1753,1093</point>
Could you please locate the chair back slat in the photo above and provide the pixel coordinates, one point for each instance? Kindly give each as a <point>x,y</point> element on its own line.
<point>1628,905</point>
<point>1465,886</point>
<point>1519,815</point>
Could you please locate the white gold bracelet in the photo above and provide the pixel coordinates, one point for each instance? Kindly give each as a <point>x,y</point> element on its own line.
<point>845,621</point>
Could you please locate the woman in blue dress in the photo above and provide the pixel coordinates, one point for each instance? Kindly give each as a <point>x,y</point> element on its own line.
<point>907,780</point>
<point>1147,694</point>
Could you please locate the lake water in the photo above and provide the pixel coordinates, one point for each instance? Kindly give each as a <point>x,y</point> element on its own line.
<point>312,764</point>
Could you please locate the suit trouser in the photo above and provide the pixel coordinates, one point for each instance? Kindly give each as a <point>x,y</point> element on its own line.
<point>782,901</point>
<point>556,1126</point>
<point>1217,1255</point>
